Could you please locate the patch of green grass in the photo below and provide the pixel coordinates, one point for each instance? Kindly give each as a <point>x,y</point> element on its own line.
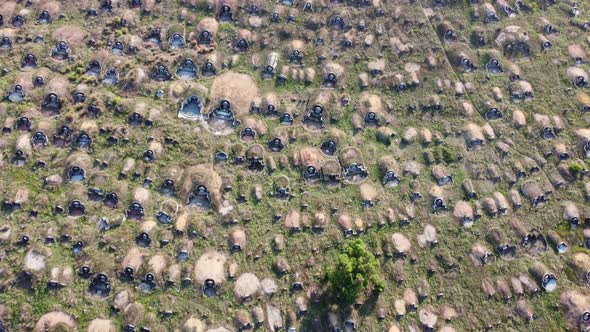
<point>227,28</point>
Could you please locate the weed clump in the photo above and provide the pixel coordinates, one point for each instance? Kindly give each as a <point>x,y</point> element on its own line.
<point>575,168</point>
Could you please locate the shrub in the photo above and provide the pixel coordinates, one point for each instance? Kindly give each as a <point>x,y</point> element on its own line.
<point>575,168</point>
<point>449,155</point>
<point>443,153</point>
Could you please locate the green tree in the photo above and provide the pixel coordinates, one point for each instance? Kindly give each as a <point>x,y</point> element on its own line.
<point>356,270</point>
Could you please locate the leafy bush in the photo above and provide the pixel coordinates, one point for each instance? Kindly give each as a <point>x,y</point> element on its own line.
<point>449,155</point>
<point>575,168</point>
<point>444,153</point>
<point>122,31</point>
<point>356,270</point>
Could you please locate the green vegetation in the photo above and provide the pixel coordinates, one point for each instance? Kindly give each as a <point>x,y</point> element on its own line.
<point>76,72</point>
<point>450,155</point>
<point>122,31</point>
<point>575,168</point>
<point>225,27</point>
<point>446,154</point>
<point>356,270</point>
